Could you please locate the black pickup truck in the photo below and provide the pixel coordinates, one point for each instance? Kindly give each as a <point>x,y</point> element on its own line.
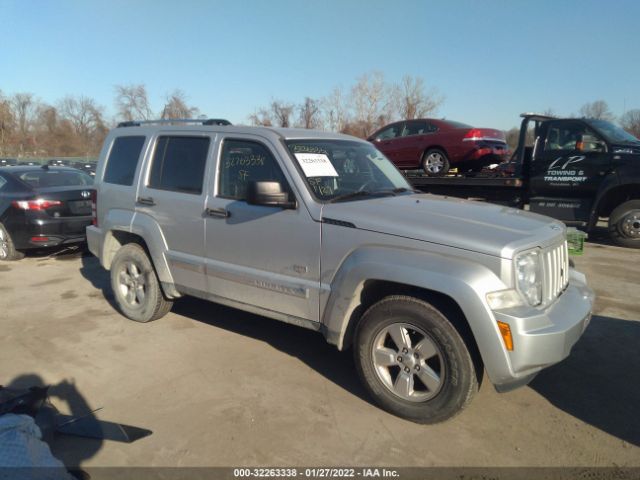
<point>577,170</point>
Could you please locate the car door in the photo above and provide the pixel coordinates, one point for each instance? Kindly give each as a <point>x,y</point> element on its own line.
<point>387,141</point>
<point>412,143</point>
<point>569,161</point>
<point>172,194</point>
<point>257,255</point>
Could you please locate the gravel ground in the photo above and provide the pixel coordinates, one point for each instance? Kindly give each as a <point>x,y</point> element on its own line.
<point>220,387</point>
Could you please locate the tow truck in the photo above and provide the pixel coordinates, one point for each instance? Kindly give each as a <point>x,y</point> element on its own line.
<point>578,170</point>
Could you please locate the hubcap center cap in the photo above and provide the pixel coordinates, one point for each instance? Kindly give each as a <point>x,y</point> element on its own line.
<point>409,360</point>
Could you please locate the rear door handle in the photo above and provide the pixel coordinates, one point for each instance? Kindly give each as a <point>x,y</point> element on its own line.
<point>218,212</point>
<point>146,201</point>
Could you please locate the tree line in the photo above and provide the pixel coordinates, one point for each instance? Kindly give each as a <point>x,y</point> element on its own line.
<point>76,125</point>
<point>370,103</point>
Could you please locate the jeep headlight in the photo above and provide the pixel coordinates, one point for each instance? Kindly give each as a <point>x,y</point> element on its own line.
<point>528,267</point>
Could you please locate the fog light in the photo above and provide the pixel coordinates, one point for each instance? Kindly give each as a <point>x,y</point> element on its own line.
<point>504,299</point>
<point>505,331</point>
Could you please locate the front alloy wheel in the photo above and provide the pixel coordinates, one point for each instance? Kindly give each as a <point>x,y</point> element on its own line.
<point>413,361</point>
<point>408,362</point>
<point>624,224</point>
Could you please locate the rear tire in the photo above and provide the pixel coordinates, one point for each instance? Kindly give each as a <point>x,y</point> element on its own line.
<point>136,287</point>
<point>8,252</point>
<point>435,162</point>
<point>624,224</point>
<point>413,361</point>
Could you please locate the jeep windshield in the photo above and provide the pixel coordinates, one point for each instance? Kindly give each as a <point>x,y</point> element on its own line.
<point>343,170</point>
<point>612,132</point>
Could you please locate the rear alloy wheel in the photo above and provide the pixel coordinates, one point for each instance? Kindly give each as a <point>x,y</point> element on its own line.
<point>413,361</point>
<point>135,285</point>
<point>8,250</point>
<point>435,163</point>
<point>624,224</point>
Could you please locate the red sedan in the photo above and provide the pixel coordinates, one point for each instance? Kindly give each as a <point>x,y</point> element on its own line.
<point>438,145</point>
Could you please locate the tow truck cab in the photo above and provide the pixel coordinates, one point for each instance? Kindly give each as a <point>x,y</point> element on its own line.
<point>577,170</point>
<point>581,170</point>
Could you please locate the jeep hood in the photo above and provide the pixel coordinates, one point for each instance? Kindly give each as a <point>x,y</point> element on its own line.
<point>480,227</point>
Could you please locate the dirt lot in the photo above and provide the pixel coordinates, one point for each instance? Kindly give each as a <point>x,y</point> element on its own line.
<point>221,387</point>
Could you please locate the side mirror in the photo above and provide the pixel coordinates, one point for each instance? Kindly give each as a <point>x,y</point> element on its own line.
<point>589,143</point>
<point>268,194</point>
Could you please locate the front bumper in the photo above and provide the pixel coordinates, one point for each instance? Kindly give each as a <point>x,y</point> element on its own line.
<point>542,338</point>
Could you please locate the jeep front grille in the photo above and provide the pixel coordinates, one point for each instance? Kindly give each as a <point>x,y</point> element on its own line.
<point>556,271</point>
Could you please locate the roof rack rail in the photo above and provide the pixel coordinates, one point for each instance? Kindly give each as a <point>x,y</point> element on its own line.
<point>206,121</point>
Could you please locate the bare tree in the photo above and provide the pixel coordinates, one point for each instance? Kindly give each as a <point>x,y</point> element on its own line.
<point>310,114</point>
<point>86,118</point>
<point>335,109</point>
<point>370,103</point>
<point>281,112</point>
<point>24,106</point>
<point>412,100</point>
<point>84,114</point>
<point>630,121</point>
<point>132,102</point>
<point>7,122</point>
<point>261,117</point>
<point>176,106</point>
<point>598,109</point>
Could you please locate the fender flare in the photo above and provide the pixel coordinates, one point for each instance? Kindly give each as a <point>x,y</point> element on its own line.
<point>464,281</point>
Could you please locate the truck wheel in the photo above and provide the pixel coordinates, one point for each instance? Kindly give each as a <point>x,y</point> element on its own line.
<point>435,162</point>
<point>135,285</point>
<point>413,361</point>
<point>624,224</point>
<point>8,250</point>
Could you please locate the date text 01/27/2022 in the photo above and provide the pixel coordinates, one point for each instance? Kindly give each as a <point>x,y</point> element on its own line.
<point>315,473</point>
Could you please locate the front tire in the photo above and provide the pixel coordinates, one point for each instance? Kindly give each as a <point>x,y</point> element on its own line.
<point>624,224</point>
<point>136,287</point>
<point>413,361</point>
<point>8,252</point>
<point>435,162</point>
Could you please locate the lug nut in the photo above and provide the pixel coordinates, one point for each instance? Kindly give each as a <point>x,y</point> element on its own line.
<point>404,350</point>
<point>417,368</point>
<point>399,358</point>
<point>406,369</point>
<point>416,355</point>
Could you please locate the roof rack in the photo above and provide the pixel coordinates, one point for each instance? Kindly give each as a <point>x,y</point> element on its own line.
<point>206,121</point>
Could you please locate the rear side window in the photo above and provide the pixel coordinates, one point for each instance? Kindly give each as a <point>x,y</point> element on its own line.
<point>123,160</point>
<point>55,178</point>
<point>3,182</point>
<point>179,164</point>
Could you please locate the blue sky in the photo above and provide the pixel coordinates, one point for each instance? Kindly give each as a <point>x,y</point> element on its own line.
<point>490,59</point>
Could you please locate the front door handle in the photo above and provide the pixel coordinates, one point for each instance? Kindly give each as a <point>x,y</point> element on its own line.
<point>146,201</point>
<point>218,212</point>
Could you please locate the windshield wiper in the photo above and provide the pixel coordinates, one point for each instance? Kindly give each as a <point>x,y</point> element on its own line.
<point>361,193</point>
<point>347,196</point>
<point>405,189</point>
